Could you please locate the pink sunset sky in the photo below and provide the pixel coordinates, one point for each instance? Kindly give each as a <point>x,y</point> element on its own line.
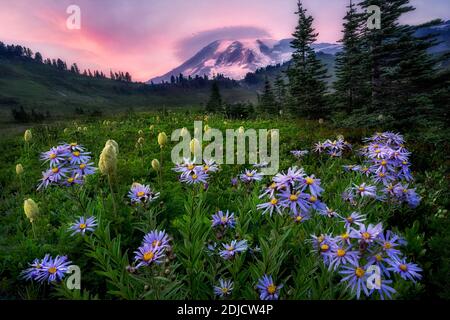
<point>150,37</point>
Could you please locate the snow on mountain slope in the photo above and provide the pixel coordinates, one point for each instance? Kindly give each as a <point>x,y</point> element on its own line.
<point>235,58</point>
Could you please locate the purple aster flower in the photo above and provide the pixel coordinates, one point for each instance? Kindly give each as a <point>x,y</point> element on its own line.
<point>389,241</point>
<point>364,190</point>
<point>84,169</point>
<point>45,180</point>
<point>250,175</point>
<point>300,217</point>
<point>295,201</point>
<point>209,166</point>
<point>288,179</point>
<point>233,248</point>
<point>319,147</point>
<point>73,147</point>
<point>234,182</point>
<point>141,193</point>
<point>54,269</point>
<point>224,288</point>
<point>73,180</point>
<point>267,288</point>
<point>352,219</point>
<point>55,156</point>
<point>225,220</point>
<point>367,234</point>
<point>313,184</point>
<point>341,256</point>
<point>324,244</point>
<point>348,196</point>
<point>270,207</point>
<point>56,174</point>
<point>82,225</point>
<point>356,279</point>
<point>260,165</point>
<point>147,255</point>
<point>36,270</point>
<point>157,239</point>
<point>187,167</point>
<point>77,157</point>
<point>269,191</point>
<point>406,270</point>
<point>195,177</point>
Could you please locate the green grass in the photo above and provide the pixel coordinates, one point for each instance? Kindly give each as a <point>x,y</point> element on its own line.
<point>185,213</point>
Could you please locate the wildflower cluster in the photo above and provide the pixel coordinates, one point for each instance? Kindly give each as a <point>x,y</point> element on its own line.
<point>361,250</point>
<point>387,164</point>
<point>334,148</point>
<point>68,164</point>
<point>153,249</point>
<point>299,153</point>
<point>47,269</point>
<point>191,173</point>
<point>294,192</point>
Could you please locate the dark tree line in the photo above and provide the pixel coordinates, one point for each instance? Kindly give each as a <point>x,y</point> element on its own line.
<point>21,52</point>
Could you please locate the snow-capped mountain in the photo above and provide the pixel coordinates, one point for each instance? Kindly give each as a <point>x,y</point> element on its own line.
<point>235,58</point>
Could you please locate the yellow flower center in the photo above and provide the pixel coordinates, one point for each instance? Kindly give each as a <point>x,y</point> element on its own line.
<point>230,248</point>
<point>70,180</point>
<point>52,270</point>
<point>76,153</point>
<point>403,267</point>
<point>405,190</point>
<point>274,201</point>
<point>293,197</point>
<point>83,165</point>
<point>194,177</point>
<point>309,181</point>
<point>345,236</point>
<point>298,218</point>
<point>190,166</point>
<point>55,170</point>
<point>224,290</point>
<point>324,247</point>
<point>381,174</point>
<point>361,189</point>
<point>82,226</point>
<point>156,243</point>
<point>365,169</point>
<point>148,255</point>
<point>366,235</point>
<point>405,162</point>
<point>140,193</point>
<point>377,151</point>
<point>378,257</point>
<point>249,174</point>
<point>273,185</point>
<point>349,219</point>
<point>52,156</point>
<point>387,245</point>
<point>384,162</point>
<point>271,288</point>
<point>340,252</point>
<point>205,168</point>
<point>312,199</point>
<point>224,219</point>
<point>359,272</point>
<point>73,144</point>
<point>320,239</point>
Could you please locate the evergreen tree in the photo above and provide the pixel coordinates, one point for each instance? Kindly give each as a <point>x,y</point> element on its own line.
<point>307,73</point>
<point>352,81</point>
<point>280,94</point>
<point>215,101</point>
<point>268,104</point>
<point>38,57</point>
<point>398,63</point>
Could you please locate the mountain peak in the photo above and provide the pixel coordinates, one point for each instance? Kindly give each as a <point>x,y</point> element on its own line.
<point>235,58</point>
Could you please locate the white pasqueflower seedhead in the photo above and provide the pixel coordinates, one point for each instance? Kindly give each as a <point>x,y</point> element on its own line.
<point>19,169</point>
<point>162,139</point>
<point>31,209</point>
<point>156,165</point>
<point>27,136</point>
<point>108,160</point>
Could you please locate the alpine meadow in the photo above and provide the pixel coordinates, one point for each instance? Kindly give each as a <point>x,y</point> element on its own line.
<point>336,181</point>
